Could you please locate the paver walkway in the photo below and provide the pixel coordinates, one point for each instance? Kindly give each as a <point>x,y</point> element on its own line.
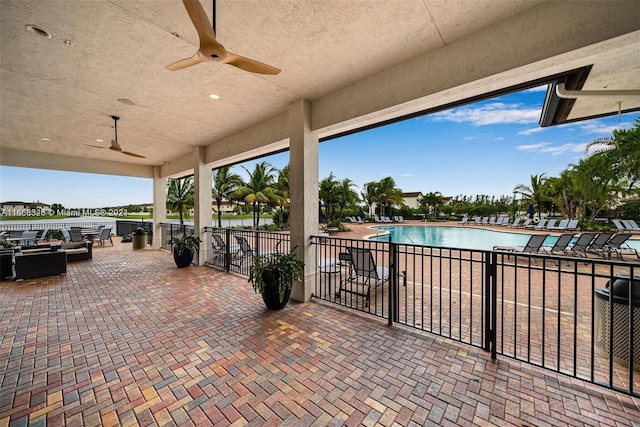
<point>128,339</point>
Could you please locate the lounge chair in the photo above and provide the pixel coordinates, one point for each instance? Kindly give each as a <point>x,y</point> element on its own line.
<point>572,225</point>
<point>580,246</point>
<point>539,225</point>
<point>515,224</point>
<point>560,227</point>
<point>492,221</point>
<point>533,245</point>
<point>631,225</point>
<point>244,250</point>
<point>360,221</point>
<point>476,221</point>
<point>220,247</point>
<point>485,220</point>
<point>550,223</point>
<point>597,245</point>
<point>560,245</point>
<point>66,237</point>
<point>364,275</point>
<point>463,221</point>
<point>619,225</point>
<point>400,218</point>
<point>43,237</point>
<point>618,243</point>
<point>505,221</point>
<point>376,218</point>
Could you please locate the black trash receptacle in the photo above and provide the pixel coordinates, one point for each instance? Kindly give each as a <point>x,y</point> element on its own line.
<point>139,238</point>
<point>618,327</point>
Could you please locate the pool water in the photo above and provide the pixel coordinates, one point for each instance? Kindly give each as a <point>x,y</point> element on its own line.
<point>461,237</point>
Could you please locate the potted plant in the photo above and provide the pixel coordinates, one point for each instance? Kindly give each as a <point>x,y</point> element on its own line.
<point>272,276</point>
<point>184,248</point>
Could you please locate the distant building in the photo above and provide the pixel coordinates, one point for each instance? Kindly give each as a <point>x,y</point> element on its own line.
<point>14,206</point>
<point>411,199</point>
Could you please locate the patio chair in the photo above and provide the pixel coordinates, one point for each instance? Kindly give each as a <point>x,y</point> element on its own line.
<point>105,234</point>
<point>533,245</point>
<point>485,220</point>
<point>66,237</point>
<point>28,237</point>
<point>618,243</point>
<point>220,247</point>
<point>537,226</point>
<point>560,245</point>
<point>43,237</point>
<point>463,221</point>
<point>76,234</point>
<point>579,247</point>
<point>364,275</point>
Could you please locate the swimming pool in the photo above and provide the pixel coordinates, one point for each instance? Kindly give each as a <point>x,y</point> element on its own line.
<point>460,237</point>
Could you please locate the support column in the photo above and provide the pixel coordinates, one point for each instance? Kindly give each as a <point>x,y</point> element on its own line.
<point>159,206</point>
<point>201,200</point>
<point>303,168</point>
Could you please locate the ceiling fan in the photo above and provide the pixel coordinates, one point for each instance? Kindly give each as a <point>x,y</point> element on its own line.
<point>114,142</point>
<point>210,49</point>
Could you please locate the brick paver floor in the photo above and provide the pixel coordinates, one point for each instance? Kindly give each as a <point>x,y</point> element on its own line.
<point>128,339</point>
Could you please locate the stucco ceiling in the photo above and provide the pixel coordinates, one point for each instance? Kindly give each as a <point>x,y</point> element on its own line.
<point>67,87</point>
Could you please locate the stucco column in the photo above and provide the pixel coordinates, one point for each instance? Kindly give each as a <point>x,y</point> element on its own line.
<point>159,206</point>
<point>201,199</point>
<point>303,169</point>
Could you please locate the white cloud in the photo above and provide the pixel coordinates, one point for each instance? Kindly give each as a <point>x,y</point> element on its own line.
<point>490,114</point>
<point>408,174</point>
<point>530,131</point>
<point>542,88</point>
<point>532,147</point>
<point>564,148</point>
<point>601,128</point>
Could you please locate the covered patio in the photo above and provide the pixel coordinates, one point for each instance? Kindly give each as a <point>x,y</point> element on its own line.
<point>128,339</point>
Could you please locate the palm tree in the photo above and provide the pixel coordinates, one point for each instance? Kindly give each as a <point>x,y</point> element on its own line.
<point>283,190</point>
<point>328,194</point>
<point>387,194</point>
<point>180,196</point>
<point>621,154</point>
<point>432,200</point>
<point>368,194</point>
<point>534,193</point>
<point>224,184</point>
<point>345,195</point>
<point>259,190</point>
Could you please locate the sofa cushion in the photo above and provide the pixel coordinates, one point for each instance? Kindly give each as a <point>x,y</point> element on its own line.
<point>74,245</point>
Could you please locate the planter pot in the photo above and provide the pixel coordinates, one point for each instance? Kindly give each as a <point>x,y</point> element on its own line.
<point>271,294</point>
<point>183,260</point>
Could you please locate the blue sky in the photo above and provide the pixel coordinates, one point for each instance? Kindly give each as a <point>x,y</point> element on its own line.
<point>487,147</point>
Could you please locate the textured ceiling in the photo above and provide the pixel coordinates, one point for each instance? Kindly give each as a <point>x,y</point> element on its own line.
<point>66,88</point>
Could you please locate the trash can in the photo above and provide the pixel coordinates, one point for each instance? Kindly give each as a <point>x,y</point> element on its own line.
<point>605,328</point>
<point>139,238</point>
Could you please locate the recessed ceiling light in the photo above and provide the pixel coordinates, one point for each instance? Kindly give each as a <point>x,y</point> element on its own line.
<point>44,138</point>
<point>214,96</point>
<point>126,101</point>
<point>37,30</point>
<point>99,140</point>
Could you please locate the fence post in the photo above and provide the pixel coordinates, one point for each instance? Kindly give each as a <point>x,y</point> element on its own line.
<point>227,254</point>
<point>491,302</point>
<point>392,282</point>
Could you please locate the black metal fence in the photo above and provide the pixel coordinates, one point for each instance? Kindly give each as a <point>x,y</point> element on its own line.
<point>233,249</point>
<point>171,231</point>
<point>554,312</point>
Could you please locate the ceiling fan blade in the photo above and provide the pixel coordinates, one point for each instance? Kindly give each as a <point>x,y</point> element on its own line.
<point>115,146</point>
<point>200,20</point>
<point>187,62</point>
<point>248,64</point>
<point>129,153</point>
<point>94,146</point>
